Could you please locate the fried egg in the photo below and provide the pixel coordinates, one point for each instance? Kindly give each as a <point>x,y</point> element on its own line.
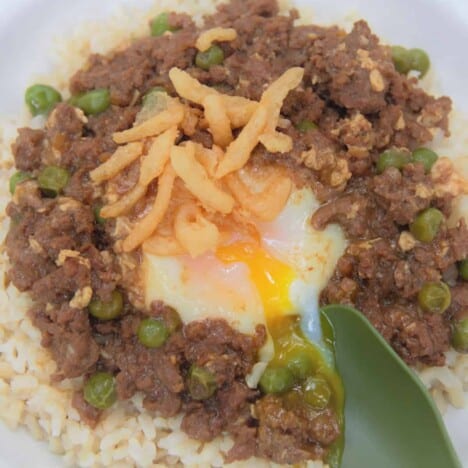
<point>248,283</point>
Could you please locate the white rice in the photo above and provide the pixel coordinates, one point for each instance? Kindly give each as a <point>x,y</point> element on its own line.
<point>127,435</point>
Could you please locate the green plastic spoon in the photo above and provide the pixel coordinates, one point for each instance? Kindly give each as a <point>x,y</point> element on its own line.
<point>390,418</point>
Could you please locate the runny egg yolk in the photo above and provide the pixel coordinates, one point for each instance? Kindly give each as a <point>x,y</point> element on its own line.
<point>271,277</point>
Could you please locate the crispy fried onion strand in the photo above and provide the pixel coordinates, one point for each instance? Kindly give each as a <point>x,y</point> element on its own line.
<point>206,38</point>
<point>146,227</point>
<point>276,142</point>
<point>273,99</point>
<point>264,120</point>
<point>124,204</point>
<point>151,168</point>
<point>194,232</point>
<point>218,119</point>
<point>122,158</point>
<point>239,151</point>
<point>239,109</point>
<point>208,158</point>
<point>267,204</point>
<point>197,181</point>
<point>164,246</point>
<point>214,185</point>
<point>274,96</point>
<point>154,126</point>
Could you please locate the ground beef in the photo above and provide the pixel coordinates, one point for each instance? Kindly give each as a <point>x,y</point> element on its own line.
<point>403,194</point>
<point>231,407</point>
<point>350,67</point>
<point>80,186</point>
<point>351,88</point>
<point>416,338</point>
<point>61,284</point>
<point>383,280</point>
<point>121,73</point>
<point>67,333</point>
<point>288,435</point>
<point>114,119</point>
<point>361,105</point>
<point>28,149</point>
<point>29,262</point>
<point>89,414</point>
<point>65,123</point>
<point>160,374</point>
<point>459,304</point>
<point>209,347</point>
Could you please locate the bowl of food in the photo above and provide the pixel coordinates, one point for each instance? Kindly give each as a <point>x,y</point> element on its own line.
<point>186,187</point>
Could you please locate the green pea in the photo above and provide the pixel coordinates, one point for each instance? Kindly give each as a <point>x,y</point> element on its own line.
<point>213,56</point>
<point>426,225</point>
<point>300,363</point>
<point>201,383</point>
<point>276,380</point>
<point>305,126</point>
<point>317,392</point>
<point>426,157</point>
<point>152,333</point>
<point>100,390</point>
<point>434,297</point>
<point>392,158</point>
<point>172,320</point>
<point>152,92</point>
<point>460,336</point>
<point>293,399</point>
<point>52,180</point>
<point>401,59</point>
<point>463,269</point>
<point>419,61</point>
<point>41,99</point>
<point>107,310</point>
<point>18,178</point>
<point>92,102</point>
<point>97,214</point>
<point>160,25</point>
<point>413,59</point>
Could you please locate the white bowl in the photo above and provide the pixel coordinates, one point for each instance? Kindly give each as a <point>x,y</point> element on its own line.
<point>28,29</point>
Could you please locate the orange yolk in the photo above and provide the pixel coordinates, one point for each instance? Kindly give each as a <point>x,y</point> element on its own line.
<point>271,277</point>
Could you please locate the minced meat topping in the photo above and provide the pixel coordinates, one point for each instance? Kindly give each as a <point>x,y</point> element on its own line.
<point>349,132</point>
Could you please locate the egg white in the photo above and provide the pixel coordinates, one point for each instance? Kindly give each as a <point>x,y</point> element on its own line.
<point>205,287</point>
<point>313,254</point>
